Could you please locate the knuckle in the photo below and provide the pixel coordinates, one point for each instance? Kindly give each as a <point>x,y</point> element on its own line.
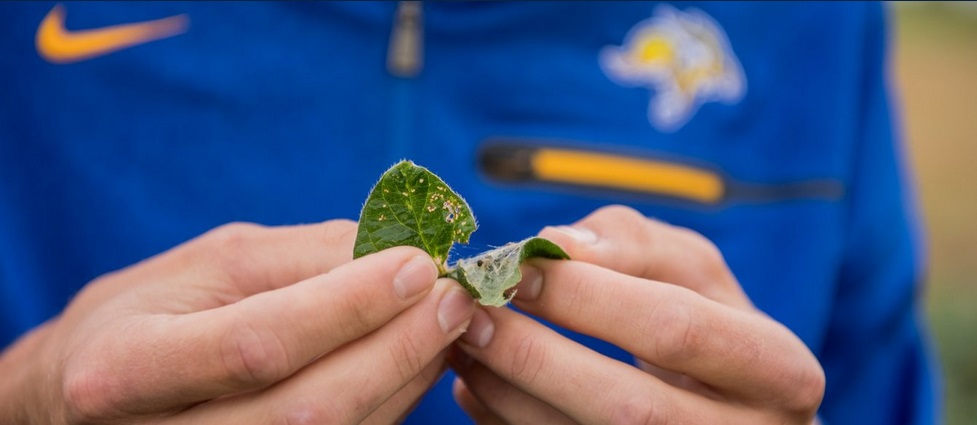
<point>357,312</point>
<point>313,412</point>
<point>636,411</point>
<point>227,247</point>
<point>621,229</point>
<point>618,214</point>
<point>338,229</point>
<point>578,298</point>
<point>528,359</point>
<point>628,235</point>
<point>252,356</point>
<point>808,392</point>
<point>231,236</point>
<point>408,356</point>
<point>87,396</point>
<point>675,333</point>
<point>705,256</point>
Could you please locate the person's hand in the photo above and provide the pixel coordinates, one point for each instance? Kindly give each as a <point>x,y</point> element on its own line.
<point>245,324</point>
<point>704,354</point>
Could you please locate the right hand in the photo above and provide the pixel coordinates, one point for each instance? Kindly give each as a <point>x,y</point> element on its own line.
<point>245,324</point>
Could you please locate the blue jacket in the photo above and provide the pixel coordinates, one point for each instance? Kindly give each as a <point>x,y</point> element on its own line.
<point>766,127</point>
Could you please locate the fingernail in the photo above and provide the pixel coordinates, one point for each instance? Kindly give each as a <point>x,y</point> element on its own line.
<point>480,330</point>
<point>578,234</point>
<point>416,275</point>
<point>455,308</point>
<point>530,285</point>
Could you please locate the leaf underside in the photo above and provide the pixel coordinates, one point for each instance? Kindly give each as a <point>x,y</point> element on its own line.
<point>412,206</point>
<point>491,276</point>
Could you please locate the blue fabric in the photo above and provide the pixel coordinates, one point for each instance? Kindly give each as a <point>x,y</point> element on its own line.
<point>283,113</point>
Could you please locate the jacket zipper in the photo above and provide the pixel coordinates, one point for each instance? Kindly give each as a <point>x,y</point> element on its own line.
<point>405,55</point>
<point>405,58</point>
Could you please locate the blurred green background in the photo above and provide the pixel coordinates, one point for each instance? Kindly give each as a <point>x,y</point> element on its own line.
<point>935,71</point>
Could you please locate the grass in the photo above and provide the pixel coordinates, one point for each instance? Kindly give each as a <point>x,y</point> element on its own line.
<point>935,69</point>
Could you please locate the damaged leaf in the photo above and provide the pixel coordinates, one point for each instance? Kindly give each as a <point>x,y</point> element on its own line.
<point>412,206</point>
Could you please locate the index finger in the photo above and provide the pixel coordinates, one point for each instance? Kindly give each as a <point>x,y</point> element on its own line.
<point>236,260</point>
<point>622,239</point>
<point>172,361</point>
<point>738,352</point>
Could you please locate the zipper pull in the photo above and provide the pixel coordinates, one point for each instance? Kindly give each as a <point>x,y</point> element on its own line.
<point>405,56</point>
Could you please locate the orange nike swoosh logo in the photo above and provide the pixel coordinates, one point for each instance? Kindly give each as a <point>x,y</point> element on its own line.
<point>58,45</point>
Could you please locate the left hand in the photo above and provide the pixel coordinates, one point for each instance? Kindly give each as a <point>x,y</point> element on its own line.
<point>704,353</point>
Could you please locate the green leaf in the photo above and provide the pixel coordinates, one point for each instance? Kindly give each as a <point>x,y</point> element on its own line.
<point>412,206</point>
<point>492,276</point>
